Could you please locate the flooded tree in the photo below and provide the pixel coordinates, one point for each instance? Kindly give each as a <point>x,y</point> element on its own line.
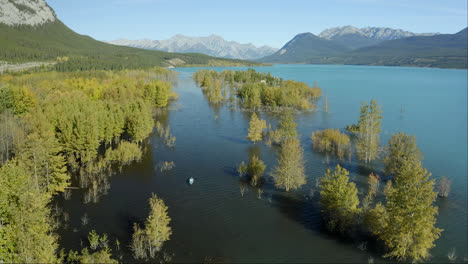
<point>163,166</point>
<point>444,186</point>
<point>325,103</point>
<point>124,154</point>
<point>99,251</point>
<point>331,141</point>
<point>157,92</point>
<point>339,199</point>
<point>253,169</point>
<point>374,182</point>
<point>368,129</point>
<point>285,129</point>
<point>401,149</point>
<point>165,134</point>
<point>256,128</point>
<point>406,223</point>
<point>102,256</point>
<point>148,241</point>
<point>290,172</point>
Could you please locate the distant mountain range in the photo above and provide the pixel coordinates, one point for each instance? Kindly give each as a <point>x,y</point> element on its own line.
<point>304,46</point>
<point>212,45</point>
<point>361,37</point>
<point>30,31</point>
<point>375,46</point>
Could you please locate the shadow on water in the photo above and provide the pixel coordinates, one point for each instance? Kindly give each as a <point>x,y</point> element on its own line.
<point>254,150</point>
<point>231,171</point>
<point>298,209</point>
<point>307,212</point>
<point>234,139</point>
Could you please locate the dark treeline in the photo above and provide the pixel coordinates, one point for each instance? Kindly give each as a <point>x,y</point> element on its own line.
<point>255,90</point>
<point>62,128</point>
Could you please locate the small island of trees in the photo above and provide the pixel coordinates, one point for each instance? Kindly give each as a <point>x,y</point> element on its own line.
<point>256,90</point>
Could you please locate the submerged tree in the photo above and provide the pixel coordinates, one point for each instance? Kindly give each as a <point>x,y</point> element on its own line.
<point>325,104</point>
<point>374,182</point>
<point>406,223</point>
<point>254,169</point>
<point>331,141</point>
<point>148,241</point>
<point>290,172</point>
<point>256,128</point>
<point>368,129</point>
<point>157,92</point>
<point>285,129</point>
<point>157,225</point>
<point>401,148</point>
<point>99,251</point>
<point>339,199</point>
<point>444,186</point>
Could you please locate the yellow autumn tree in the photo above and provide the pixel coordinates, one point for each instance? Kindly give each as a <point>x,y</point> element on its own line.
<point>256,128</point>
<point>290,172</point>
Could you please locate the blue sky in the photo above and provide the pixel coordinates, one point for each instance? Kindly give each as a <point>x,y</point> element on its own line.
<point>261,22</point>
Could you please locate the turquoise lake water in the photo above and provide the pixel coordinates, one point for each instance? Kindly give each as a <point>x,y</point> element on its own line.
<point>222,219</point>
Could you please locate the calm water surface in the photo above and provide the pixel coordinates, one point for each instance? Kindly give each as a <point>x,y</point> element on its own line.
<point>222,218</point>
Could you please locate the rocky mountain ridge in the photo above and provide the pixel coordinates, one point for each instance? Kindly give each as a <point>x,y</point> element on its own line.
<point>377,33</point>
<point>26,12</point>
<point>212,45</point>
